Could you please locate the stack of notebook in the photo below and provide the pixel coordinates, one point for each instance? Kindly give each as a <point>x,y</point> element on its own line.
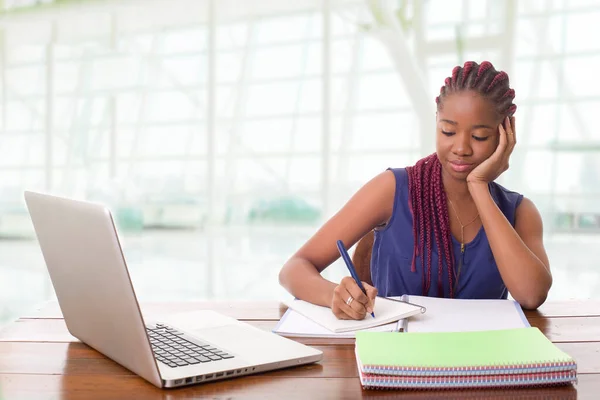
<point>502,358</point>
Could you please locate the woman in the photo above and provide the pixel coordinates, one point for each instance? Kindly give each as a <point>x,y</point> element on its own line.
<point>442,227</point>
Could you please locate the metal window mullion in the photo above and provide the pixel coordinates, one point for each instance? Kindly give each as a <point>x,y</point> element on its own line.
<point>49,110</point>
<point>326,111</point>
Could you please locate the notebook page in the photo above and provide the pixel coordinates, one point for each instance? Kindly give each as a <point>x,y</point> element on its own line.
<point>293,324</point>
<point>457,315</point>
<point>385,310</point>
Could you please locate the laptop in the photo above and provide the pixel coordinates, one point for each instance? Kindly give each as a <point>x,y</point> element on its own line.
<point>81,248</point>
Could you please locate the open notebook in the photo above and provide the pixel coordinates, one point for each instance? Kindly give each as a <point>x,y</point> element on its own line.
<point>443,315</point>
<point>508,357</point>
<point>386,312</point>
<point>294,324</point>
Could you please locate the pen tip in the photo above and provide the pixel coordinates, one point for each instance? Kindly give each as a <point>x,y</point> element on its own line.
<point>373,315</point>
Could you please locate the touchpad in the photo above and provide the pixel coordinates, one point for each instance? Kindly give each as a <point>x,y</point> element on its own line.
<point>252,344</point>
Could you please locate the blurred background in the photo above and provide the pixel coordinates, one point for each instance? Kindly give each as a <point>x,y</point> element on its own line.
<point>223,133</point>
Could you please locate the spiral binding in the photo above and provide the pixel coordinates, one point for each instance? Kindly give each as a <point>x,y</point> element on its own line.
<point>474,371</point>
<point>490,377</point>
<point>487,381</point>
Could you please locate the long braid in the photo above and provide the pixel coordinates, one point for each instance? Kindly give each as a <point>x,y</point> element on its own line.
<point>416,207</point>
<point>420,179</point>
<point>438,241</point>
<point>428,210</point>
<point>446,235</point>
<point>427,197</point>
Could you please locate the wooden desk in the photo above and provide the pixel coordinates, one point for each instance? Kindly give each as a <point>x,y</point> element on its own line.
<point>40,360</point>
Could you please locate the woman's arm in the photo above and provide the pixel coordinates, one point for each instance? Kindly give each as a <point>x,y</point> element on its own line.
<point>519,252</point>
<point>372,205</point>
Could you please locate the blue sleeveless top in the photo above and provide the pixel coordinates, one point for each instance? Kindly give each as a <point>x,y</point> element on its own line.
<point>393,251</point>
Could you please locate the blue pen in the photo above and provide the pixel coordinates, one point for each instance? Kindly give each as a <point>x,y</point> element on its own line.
<point>350,265</point>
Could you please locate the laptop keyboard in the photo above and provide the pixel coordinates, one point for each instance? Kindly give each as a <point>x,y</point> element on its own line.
<point>175,349</point>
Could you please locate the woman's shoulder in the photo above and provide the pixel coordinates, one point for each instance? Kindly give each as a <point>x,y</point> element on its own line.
<point>504,195</point>
<point>396,184</point>
<point>507,200</point>
<point>378,192</point>
<point>400,175</point>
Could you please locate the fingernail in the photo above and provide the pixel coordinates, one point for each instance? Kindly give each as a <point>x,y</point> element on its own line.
<point>369,310</point>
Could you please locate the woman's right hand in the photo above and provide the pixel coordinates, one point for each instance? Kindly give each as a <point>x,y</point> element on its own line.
<point>349,302</point>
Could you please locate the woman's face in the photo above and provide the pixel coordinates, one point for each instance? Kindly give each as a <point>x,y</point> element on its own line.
<point>467,132</point>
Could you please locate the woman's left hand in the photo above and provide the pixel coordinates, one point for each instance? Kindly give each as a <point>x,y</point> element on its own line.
<point>497,163</point>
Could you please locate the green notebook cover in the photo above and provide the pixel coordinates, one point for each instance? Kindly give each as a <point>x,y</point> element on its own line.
<point>501,349</point>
